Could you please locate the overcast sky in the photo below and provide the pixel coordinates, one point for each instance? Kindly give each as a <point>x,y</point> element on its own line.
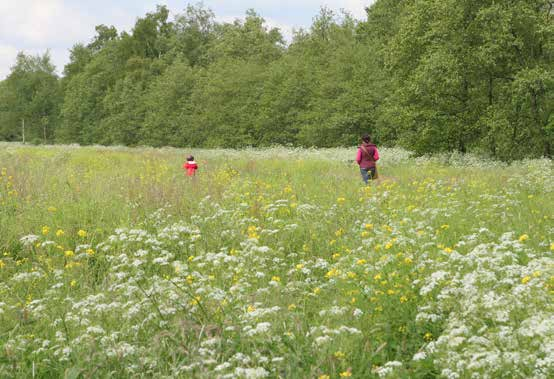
<point>33,26</point>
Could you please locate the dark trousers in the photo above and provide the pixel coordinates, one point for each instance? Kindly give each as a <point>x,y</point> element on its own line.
<point>367,173</point>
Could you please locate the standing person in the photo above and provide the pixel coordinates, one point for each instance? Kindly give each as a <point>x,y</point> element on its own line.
<point>190,165</point>
<point>366,158</point>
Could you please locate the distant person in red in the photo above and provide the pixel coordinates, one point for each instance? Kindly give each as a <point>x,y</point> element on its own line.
<point>190,165</point>
<point>366,158</point>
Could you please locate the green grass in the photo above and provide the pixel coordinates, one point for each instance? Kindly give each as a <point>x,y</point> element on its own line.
<point>282,255</point>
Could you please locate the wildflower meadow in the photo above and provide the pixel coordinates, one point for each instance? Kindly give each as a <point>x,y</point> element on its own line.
<point>275,263</point>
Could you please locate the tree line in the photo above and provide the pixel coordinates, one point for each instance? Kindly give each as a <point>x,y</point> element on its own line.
<point>428,75</point>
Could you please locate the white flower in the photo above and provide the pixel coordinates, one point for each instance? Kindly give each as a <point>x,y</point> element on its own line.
<point>29,239</point>
<point>251,373</point>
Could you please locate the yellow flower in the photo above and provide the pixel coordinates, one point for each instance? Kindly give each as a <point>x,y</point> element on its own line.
<point>276,279</point>
<point>332,273</point>
<point>365,234</point>
<point>2,264</point>
<point>195,301</point>
<point>408,260</point>
<point>69,253</point>
<point>345,374</point>
<point>317,290</point>
<point>447,250</point>
<point>190,258</point>
<point>523,237</point>
<point>250,309</point>
<point>361,262</point>
<point>252,232</point>
<point>59,233</point>
<point>299,266</point>
<point>403,299</point>
<point>536,274</point>
<point>552,246</point>
<point>324,377</point>
<point>339,232</point>
<point>190,279</point>
<point>525,279</point>
<point>89,251</point>
<point>339,355</point>
<point>73,283</point>
<point>368,226</point>
<point>45,230</point>
<point>445,226</point>
<point>336,256</point>
<point>351,274</point>
<point>377,277</point>
<point>428,337</point>
<point>292,307</point>
<point>52,209</point>
<point>388,245</point>
<point>81,233</point>
<point>341,200</point>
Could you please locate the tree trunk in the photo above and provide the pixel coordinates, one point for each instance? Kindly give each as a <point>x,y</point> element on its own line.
<point>490,89</point>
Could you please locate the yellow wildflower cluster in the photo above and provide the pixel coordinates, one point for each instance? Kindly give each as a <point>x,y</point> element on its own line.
<point>252,232</point>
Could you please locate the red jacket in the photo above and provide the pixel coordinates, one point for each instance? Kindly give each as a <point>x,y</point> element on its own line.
<point>364,159</point>
<point>191,167</point>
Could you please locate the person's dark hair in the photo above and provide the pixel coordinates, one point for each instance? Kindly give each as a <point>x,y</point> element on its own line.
<point>190,158</point>
<point>366,138</point>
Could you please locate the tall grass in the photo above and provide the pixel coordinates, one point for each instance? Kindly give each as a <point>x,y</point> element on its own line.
<point>276,263</point>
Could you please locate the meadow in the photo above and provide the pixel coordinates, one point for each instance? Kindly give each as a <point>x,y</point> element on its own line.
<point>274,263</point>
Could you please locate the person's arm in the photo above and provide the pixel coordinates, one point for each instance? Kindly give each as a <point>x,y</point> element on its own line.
<point>376,155</point>
<point>359,156</point>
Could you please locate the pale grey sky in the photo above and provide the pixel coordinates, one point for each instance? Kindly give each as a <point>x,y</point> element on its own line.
<point>33,26</point>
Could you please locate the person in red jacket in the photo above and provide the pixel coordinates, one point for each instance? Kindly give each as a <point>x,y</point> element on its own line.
<point>190,165</point>
<point>366,158</point>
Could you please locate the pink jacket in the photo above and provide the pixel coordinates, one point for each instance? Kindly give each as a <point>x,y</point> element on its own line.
<point>365,160</point>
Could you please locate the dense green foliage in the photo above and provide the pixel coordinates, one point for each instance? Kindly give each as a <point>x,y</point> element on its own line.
<point>429,75</point>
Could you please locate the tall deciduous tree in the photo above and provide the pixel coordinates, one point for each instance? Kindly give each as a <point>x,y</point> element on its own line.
<point>30,95</point>
<point>474,75</point>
